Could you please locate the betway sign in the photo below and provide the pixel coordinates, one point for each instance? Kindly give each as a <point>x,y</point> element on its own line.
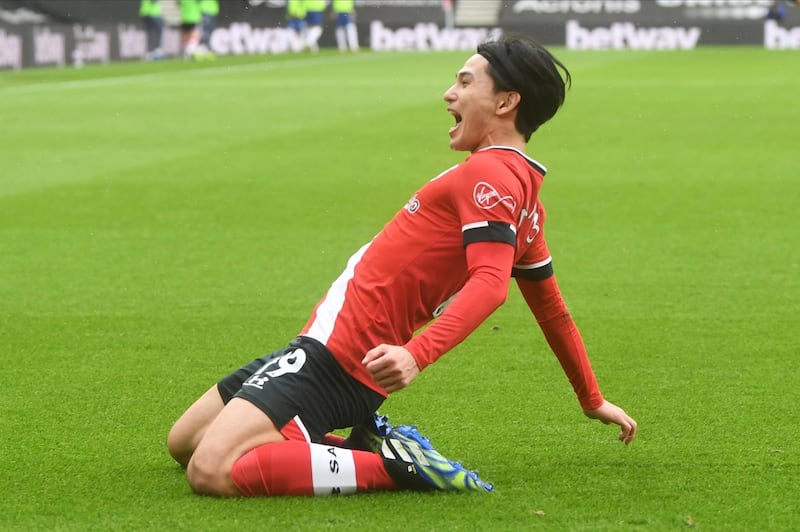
<point>425,36</point>
<point>780,38</point>
<point>626,35</point>
<point>10,50</point>
<point>242,38</point>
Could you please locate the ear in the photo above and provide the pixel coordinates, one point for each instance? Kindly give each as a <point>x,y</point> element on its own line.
<point>507,102</point>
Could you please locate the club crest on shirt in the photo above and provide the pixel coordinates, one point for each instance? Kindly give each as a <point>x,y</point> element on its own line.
<point>486,197</point>
<point>412,205</point>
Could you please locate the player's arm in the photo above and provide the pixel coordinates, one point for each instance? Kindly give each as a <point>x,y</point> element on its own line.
<point>489,269</point>
<point>541,293</point>
<point>489,240</point>
<point>545,301</point>
<point>489,266</point>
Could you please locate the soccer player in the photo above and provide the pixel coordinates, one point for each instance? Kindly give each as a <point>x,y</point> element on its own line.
<point>190,21</point>
<point>296,16</point>
<point>209,11</point>
<point>150,14</point>
<point>315,10</point>
<point>448,254</point>
<point>346,31</point>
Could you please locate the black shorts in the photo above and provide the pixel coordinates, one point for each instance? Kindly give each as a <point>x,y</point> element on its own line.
<point>303,379</point>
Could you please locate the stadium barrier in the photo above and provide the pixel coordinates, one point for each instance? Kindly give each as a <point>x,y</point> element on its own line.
<point>75,32</point>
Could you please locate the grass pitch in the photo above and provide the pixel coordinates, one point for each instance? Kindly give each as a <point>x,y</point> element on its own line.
<point>161,224</point>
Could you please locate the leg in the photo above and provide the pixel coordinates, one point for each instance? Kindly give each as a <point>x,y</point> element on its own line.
<point>296,467</point>
<point>260,442</point>
<point>352,37</point>
<point>206,27</point>
<point>149,28</point>
<point>187,432</point>
<point>239,427</point>
<point>312,37</point>
<point>398,458</point>
<point>159,31</point>
<point>341,39</point>
<point>217,442</point>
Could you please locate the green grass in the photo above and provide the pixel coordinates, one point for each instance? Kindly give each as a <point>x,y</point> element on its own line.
<point>162,223</point>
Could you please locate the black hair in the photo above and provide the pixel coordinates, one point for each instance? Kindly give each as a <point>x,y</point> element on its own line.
<point>519,63</point>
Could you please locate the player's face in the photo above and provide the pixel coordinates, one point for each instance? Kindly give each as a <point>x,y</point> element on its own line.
<point>471,100</point>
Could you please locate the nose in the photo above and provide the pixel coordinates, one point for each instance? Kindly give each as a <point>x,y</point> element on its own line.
<point>449,96</point>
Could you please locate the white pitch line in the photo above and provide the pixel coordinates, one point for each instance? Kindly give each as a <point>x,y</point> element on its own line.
<point>683,83</point>
<point>211,71</point>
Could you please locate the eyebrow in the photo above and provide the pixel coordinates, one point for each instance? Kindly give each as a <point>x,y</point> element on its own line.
<point>463,74</point>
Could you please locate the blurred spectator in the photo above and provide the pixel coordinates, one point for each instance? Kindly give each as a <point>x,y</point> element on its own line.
<point>190,31</point>
<point>449,17</point>
<point>209,9</point>
<point>296,15</point>
<point>314,16</point>
<point>777,11</point>
<point>150,13</point>
<point>346,31</point>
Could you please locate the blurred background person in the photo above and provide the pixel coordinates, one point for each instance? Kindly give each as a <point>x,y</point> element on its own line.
<point>296,15</point>
<point>346,31</point>
<point>315,10</point>
<point>209,9</point>
<point>150,14</point>
<point>190,31</point>
<point>449,17</point>
<point>777,11</point>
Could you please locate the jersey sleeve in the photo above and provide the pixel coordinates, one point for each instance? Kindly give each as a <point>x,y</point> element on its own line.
<point>485,290</point>
<point>562,334</point>
<point>535,264</point>
<point>486,198</point>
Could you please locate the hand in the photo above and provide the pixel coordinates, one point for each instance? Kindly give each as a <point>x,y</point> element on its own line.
<point>611,413</point>
<point>392,366</point>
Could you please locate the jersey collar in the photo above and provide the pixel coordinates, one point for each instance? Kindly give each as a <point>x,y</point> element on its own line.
<point>537,165</point>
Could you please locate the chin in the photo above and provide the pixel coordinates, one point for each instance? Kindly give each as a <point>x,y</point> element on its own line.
<point>458,146</point>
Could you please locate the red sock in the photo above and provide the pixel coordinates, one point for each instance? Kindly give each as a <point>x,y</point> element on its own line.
<point>333,439</point>
<point>298,468</point>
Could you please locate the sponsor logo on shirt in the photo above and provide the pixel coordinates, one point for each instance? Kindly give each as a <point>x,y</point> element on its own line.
<point>486,197</point>
<point>413,204</point>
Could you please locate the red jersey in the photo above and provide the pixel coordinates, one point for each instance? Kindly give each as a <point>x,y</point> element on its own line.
<point>411,270</point>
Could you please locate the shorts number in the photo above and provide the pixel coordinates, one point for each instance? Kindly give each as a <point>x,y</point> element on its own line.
<point>291,362</point>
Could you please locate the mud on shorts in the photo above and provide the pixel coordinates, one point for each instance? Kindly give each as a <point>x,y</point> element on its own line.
<point>302,386</point>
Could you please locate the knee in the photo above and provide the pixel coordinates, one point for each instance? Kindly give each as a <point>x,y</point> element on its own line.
<point>208,476</point>
<point>180,444</point>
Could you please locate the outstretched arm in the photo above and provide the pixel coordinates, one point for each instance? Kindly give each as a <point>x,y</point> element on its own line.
<point>545,301</point>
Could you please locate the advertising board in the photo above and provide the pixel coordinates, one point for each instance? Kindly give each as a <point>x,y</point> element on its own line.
<point>77,32</point>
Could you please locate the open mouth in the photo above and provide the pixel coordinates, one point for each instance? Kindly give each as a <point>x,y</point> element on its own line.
<point>457,118</point>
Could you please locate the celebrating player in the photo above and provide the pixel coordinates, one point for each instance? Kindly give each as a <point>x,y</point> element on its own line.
<point>448,254</point>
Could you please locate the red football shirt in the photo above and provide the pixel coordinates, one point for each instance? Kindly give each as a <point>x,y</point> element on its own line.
<point>411,270</point>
